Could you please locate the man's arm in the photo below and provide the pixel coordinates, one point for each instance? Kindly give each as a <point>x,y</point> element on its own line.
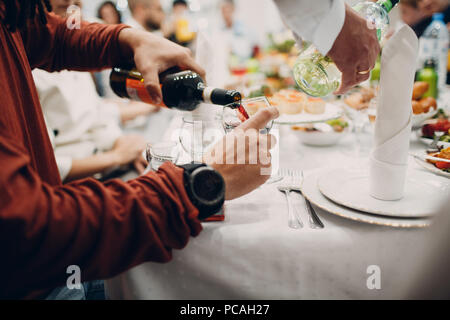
<point>337,31</point>
<point>102,228</point>
<point>318,21</point>
<point>54,47</point>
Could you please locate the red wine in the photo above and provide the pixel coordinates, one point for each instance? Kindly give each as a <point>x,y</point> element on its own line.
<point>243,112</point>
<point>183,90</point>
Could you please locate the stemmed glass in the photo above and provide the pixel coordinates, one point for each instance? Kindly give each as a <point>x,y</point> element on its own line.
<point>198,134</point>
<point>233,117</point>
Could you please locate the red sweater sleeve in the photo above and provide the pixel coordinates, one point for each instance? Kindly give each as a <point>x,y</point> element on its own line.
<point>54,47</point>
<point>103,228</point>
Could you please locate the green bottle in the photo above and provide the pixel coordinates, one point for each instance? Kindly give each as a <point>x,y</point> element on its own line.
<point>428,74</point>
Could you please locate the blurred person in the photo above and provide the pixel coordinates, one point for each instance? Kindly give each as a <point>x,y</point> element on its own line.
<point>428,8</point>
<point>239,37</point>
<point>410,12</point>
<point>177,27</point>
<point>102,228</point>
<point>148,15</point>
<point>107,11</point>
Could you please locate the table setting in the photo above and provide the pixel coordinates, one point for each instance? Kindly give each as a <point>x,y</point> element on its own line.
<point>333,207</point>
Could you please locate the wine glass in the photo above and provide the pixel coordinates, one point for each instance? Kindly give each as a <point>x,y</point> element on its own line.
<point>198,134</point>
<point>161,152</point>
<point>233,117</point>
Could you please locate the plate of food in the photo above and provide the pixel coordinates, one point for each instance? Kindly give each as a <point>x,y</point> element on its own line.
<point>322,133</point>
<point>297,108</point>
<point>438,127</point>
<point>441,168</point>
<point>424,107</point>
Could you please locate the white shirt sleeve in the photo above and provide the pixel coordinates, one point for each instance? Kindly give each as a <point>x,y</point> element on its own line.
<point>64,164</point>
<point>316,21</point>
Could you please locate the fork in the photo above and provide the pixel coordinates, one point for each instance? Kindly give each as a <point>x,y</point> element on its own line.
<point>294,220</point>
<point>313,219</point>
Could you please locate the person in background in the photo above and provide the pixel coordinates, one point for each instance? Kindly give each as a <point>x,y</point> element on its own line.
<point>147,15</point>
<point>427,9</point>
<point>410,12</point>
<point>240,38</point>
<point>108,12</point>
<point>177,27</point>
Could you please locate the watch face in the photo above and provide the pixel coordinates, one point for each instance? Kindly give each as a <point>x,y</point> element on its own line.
<point>208,185</point>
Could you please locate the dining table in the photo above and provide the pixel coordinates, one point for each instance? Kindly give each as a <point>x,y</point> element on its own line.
<point>254,254</point>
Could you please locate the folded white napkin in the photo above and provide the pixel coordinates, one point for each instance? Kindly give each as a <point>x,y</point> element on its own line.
<point>389,157</point>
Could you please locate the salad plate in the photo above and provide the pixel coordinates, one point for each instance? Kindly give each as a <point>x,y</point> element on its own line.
<point>423,197</point>
<point>313,194</point>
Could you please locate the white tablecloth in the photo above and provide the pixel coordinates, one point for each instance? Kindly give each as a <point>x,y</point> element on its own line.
<point>254,255</point>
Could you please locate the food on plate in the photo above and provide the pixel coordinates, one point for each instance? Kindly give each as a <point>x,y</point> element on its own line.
<point>315,106</point>
<point>417,107</point>
<point>419,89</point>
<point>289,101</point>
<point>360,99</point>
<point>262,91</point>
<point>338,125</point>
<point>440,125</point>
<point>254,106</point>
<point>422,105</point>
<point>444,154</point>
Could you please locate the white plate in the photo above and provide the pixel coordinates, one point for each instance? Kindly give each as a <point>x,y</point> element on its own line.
<point>312,193</point>
<point>424,194</point>
<point>332,111</point>
<point>430,167</point>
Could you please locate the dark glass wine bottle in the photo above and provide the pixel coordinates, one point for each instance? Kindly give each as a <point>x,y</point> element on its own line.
<point>183,90</point>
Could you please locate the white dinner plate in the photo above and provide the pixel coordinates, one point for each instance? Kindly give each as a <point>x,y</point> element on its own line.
<point>418,119</point>
<point>424,194</point>
<point>332,111</point>
<point>428,141</point>
<point>432,168</point>
<point>313,194</point>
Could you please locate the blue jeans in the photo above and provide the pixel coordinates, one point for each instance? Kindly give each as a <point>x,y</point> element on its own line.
<point>93,290</point>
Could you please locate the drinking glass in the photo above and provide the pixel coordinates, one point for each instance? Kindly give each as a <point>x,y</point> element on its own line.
<point>161,152</point>
<point>198,134</point>
<point>233,117</point>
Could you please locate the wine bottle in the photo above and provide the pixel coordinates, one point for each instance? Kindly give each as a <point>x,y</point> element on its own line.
<point>183,90</point>
<point>318,75</point>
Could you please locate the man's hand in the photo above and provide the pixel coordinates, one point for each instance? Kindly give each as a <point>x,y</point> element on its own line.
<point>152,55</point>
<point>242,157</point>
<point>355,50</point>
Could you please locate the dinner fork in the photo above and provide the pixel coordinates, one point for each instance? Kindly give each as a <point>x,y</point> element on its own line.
<point>313,219</point>
<point>294,220</point>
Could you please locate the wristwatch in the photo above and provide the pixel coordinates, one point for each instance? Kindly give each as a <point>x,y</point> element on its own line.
<point>205,187</point>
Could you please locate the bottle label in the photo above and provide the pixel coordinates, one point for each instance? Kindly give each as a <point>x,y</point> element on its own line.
<point>137,91</point>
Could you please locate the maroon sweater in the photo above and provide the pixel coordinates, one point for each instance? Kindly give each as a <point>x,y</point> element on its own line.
<point>46,226</point>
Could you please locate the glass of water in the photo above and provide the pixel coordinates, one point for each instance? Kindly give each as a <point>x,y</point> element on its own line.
<point>158,153</point>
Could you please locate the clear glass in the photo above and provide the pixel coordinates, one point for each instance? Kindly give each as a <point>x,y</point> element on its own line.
<point>161,152</point>
<point>198,134</point>
<point>232,118</point>
<point>318,75</point>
